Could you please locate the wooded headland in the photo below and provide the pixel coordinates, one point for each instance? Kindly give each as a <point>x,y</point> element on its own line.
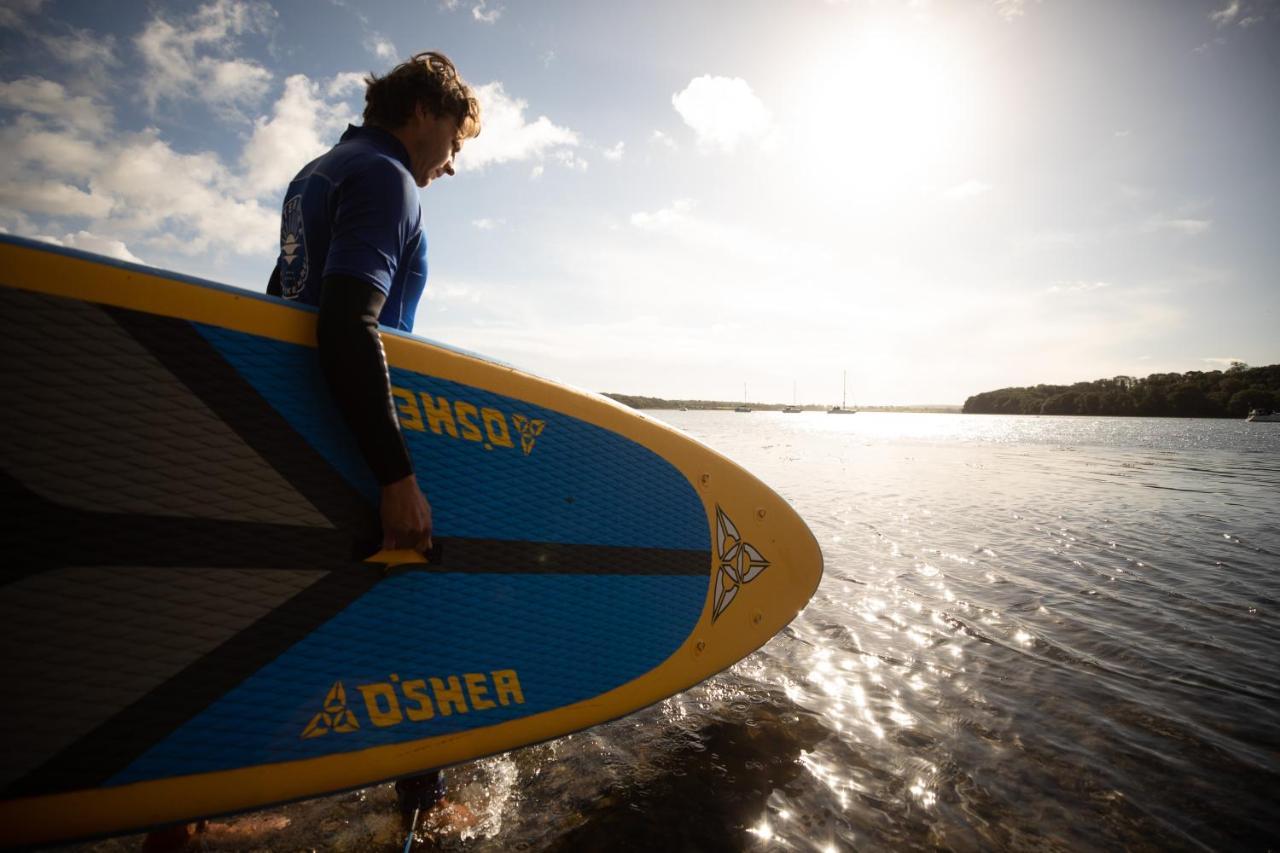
<point>1229,393</point>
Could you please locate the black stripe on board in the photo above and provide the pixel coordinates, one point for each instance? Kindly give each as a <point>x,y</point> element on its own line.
<point>190,357</point>
<point>40,535</point>
<point>121,740</point>
<point>503,557</point>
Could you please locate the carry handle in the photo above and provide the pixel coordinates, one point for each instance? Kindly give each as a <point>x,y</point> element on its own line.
<point>394,559</point>
<point>398,557</point>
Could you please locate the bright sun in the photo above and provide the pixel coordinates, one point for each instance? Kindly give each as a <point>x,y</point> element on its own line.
<point>883,107</point>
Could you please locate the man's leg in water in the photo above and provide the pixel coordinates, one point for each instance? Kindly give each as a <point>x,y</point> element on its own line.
<point>172,838</point>
<point>419,793</point>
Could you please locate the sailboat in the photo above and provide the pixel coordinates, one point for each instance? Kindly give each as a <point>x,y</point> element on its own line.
<point>844,400</point>
<point>793,409</point>
<point>744,407</point>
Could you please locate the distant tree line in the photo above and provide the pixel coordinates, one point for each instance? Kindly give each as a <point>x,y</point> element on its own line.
<point>636,401</point>
<point>1198,394</point>
<point>639,402</point>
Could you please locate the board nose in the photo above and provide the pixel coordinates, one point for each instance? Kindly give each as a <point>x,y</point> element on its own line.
<point>799,559</point>
<point>767,564</point>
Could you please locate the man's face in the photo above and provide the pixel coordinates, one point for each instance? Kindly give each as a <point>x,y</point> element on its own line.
<point>433,142</point>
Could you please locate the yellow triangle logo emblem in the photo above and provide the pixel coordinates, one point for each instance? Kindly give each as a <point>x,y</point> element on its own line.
<point>529,430</point>
<point>335,717</point>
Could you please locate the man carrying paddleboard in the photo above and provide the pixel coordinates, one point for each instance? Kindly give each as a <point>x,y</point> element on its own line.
<point>352,243</point>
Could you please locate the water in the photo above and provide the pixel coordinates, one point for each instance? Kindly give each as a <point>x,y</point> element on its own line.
<point>1048,633</point>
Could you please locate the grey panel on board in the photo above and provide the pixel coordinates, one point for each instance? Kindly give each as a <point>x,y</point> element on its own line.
<point>93,421</point>
<point>82,644</point>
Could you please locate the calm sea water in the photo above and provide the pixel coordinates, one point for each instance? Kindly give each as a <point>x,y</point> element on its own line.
<point>1033,633</point>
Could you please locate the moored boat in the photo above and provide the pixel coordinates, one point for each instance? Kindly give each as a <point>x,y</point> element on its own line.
<point>793,409</point>
<point>843,408</point>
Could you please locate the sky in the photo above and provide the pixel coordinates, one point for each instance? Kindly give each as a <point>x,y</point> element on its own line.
<point>710,200</point>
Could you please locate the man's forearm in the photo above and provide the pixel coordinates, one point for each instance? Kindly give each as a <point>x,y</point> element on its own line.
<point>355,368</point>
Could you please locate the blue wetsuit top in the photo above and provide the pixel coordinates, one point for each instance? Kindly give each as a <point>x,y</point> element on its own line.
<point>355,211</point>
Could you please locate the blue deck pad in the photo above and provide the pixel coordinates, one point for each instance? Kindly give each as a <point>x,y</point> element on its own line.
<point>493,467</point>
<point>288,376</point>
<point>567,638</point>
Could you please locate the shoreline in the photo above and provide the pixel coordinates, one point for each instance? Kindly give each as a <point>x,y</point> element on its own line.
<point>635,401</point>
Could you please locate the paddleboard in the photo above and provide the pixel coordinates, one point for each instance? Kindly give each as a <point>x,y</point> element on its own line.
<point>192,621</point>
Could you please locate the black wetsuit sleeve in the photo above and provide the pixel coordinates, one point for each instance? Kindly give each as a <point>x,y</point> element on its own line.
<point>355,368</point>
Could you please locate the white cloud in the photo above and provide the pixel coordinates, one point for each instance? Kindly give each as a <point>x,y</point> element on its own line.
<point>53,197</point>
<point>81,48</point>
<point>480,11</point>
<point>47,98</point>
<point>236,80</point>
<point>13,12</point>
<point>356,13</point>
<point>133,187</point>
<point>185,60</point>
<point>453,295</point>
<point>488,224</point>
<point>301,128</point>
<point>668,218</point>
<point>188,199</point>
<point>1242,14</point>
<point>1209,46</point>
<point>971,188</point>
<point>569,158</point>
<point>536,172</point>
<point>1182,225</point>
<point>61,153</point>
<point>485,17</point>
<point>716,242</point>
<point>1077,286</point>
<point>87,242</point>
<point>614,153</point>
<point>381,47</point>
<point>507,136</point>
<point>1010,9</point>
<point>344,83</point>
<point>663,139</point>
<point>1227,14</point>
<point>68,171</point>
<point>722,111</point>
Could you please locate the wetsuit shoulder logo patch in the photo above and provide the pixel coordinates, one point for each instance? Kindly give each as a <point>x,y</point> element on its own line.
<point>293,250</point>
